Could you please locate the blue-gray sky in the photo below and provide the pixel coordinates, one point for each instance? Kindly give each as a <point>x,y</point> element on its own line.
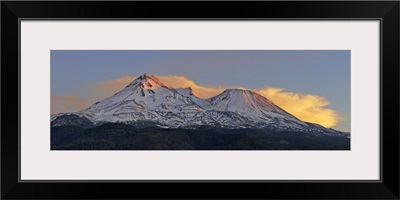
<point>324,73</point>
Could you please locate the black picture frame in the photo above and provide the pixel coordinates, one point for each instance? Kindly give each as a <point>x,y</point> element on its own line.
<point>386,11</point>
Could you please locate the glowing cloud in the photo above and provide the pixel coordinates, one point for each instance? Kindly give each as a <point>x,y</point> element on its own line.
<point>181,81</point>
<point>68,103</point>
<point>107,88</point>
<point>306,107</point>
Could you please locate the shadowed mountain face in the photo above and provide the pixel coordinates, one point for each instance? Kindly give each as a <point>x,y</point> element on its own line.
<point>148,102</point>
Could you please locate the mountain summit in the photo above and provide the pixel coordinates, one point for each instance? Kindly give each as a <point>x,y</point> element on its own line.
<point>147,100</point>
<point>144,99</point>
<point>248,102</point>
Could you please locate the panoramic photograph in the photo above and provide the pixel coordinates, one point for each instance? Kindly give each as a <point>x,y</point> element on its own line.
<point>200,100</point>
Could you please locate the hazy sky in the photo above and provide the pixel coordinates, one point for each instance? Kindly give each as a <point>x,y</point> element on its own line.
<point>321,73</point>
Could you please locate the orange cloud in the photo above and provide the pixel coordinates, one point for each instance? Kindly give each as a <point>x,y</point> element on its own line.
<point>107,88</point>
<point>306,107</point>
<point>68,103</point>
<point>181,81</point>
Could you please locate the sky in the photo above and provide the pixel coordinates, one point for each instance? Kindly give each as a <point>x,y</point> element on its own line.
<point>312,85</point>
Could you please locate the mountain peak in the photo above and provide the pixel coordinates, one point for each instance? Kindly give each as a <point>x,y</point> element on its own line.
<point>238,90</point>
<point>248,102</point>
<point>148,81</point>
<point>145,93</point>
<point>145,75</point>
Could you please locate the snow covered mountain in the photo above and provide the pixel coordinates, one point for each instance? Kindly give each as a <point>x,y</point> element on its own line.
<point>144,99</point>
<point>254,106</point>
<point>147,100</point>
